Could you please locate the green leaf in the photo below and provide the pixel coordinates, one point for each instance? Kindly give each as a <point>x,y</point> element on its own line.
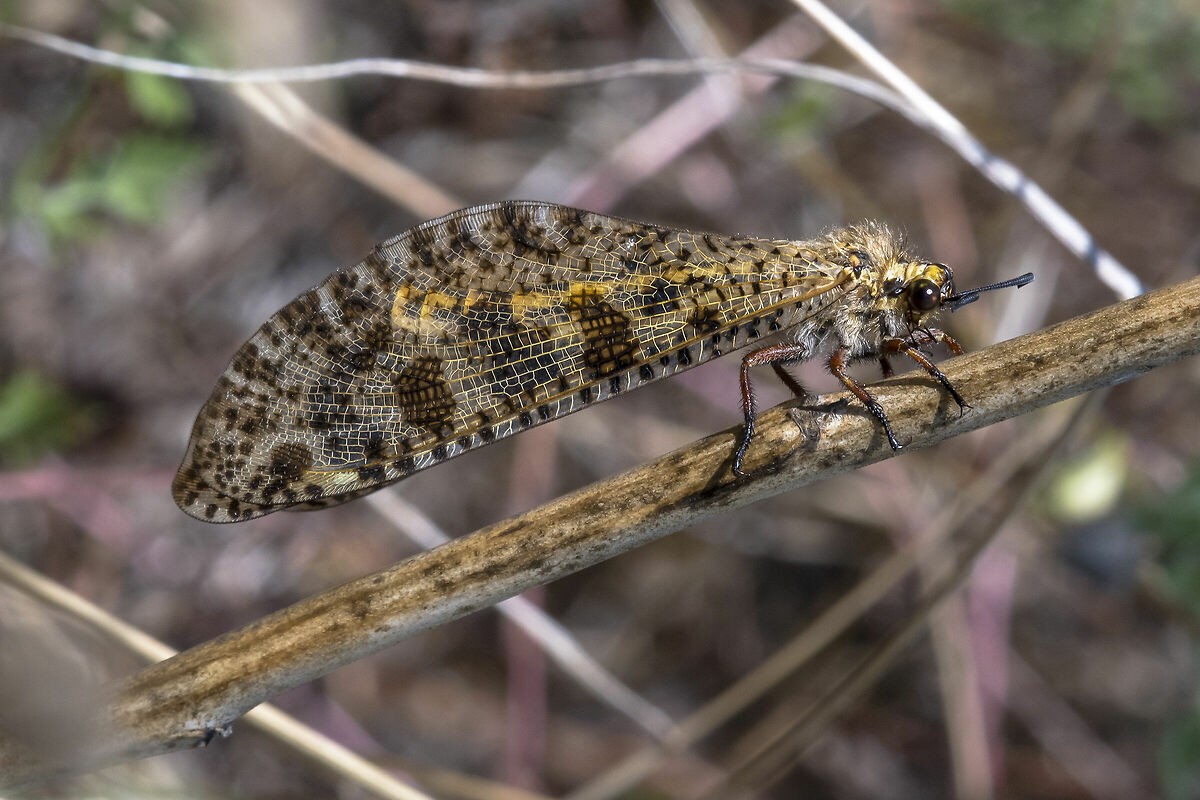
<point>1070,25</point>
<point>142,173</point>
<point>158,99</point>
<point>1179,758</point>
<point>36,417</point>
<point>1175,519</point>
<point>132,182</point>
<point>1153,47</point>
<point>804,113</point>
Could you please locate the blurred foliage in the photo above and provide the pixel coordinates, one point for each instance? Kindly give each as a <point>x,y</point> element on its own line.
<point>162,101</point>
<point>803,114</point>
<point>1089,486</point>
<point>72,191</point>
<point>1074,26</point>
<point>1174,519</point>
<point>1154,47</point>
<point>99,149</point>
<point>37,416</point>
<point>131,183</point>
<point>1179,759</point>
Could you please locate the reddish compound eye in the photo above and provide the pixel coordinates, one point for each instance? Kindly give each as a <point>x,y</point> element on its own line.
<point>924,295</point>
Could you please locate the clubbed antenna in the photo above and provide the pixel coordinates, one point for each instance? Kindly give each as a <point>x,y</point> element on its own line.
<point>957,301</point>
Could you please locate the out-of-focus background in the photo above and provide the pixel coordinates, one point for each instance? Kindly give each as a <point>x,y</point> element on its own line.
<point>148,226</point>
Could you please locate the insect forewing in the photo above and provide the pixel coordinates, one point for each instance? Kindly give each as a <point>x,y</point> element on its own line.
<point>470,328</point>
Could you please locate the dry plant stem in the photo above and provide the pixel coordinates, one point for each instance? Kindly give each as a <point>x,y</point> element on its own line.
<point>267,718</point>
<point>837,618</point>
<point>283,108</point>
<point>915,105</point>
<point>939,579</point>
<point>1005,175</point>
<point>555,640</point>
<point>185,701</point>
<point>683,123</point>
<point>1101,771</point>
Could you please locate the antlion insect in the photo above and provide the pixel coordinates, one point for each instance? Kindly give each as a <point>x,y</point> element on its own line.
<point>485,322</point>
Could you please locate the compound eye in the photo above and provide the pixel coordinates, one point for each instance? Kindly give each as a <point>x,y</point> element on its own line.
<point>924,295</point>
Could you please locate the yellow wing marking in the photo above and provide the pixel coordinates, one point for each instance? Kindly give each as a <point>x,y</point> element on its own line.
<point>351,472</point>
<point>426,322</point>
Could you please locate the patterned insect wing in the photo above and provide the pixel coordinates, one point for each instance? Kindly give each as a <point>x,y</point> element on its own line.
<point>467,329</point>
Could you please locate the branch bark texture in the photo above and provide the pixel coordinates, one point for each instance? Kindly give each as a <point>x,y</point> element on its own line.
<point>186,700</point>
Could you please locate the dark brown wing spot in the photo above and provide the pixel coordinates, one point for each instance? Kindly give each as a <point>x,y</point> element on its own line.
<point>660,297</point>
<point>609,344</point>
<point>289,461</point>
<point>326,406</point>
<point>523,359</point>
<point>519,359</point>
<point>707,319</point>
<point>371,475</point>
<point>424,396</point>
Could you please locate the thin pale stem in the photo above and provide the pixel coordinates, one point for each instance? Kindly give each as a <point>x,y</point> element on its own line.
<point>911,102</point>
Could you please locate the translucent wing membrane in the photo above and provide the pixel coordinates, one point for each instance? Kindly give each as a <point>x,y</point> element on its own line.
<point>490,320</point>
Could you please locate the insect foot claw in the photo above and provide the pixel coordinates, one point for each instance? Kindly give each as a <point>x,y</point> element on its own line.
<point>736,466</point>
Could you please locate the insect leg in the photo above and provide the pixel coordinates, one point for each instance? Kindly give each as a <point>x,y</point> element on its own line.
<point>788,380</point>
<point>776,355</point>
<point>909,349</point>
<point>837,366</point>
<point>939,335</point>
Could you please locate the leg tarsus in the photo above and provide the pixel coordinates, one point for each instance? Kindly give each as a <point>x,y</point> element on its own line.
<point>909,348</point>
<point>743,446</point>
<point>837,366</point>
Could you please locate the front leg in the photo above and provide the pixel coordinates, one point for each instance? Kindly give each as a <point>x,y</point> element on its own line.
<point>909,348</point>
<point>837,367</point>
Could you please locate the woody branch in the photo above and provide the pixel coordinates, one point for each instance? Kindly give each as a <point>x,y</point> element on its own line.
<point>184,701</point>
